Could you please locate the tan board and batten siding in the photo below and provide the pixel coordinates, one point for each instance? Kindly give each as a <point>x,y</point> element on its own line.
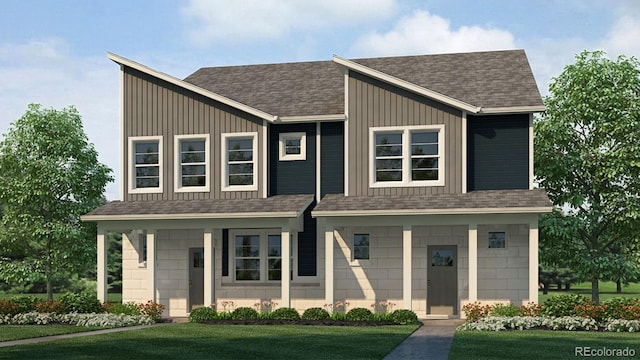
<point>376,104</point>
<point>155,107</point>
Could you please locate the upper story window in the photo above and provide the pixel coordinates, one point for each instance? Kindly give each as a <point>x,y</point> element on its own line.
<point>240,170</point>
<point>192,163</point>
<point>292,146</point>
<point>145,164</point>
<point>407,156</point>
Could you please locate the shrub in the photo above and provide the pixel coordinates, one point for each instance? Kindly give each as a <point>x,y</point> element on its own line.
<point>202,314</point>
<point>359,314</point>
<point>530,309</point>
<point>316,314</point>
<point>475,311</point>
<point>622,325</point>
<point>339,316</point>
<point>8,307</point>
<point>504,310</point>
<point>244,313</point>
<point>24,304</point>
<point>81,303</point>
<point>152,309</point>
<point>589,310</point>
<point>621,308</point>
<point>562,305</point>
<point>285,314</point>
<point>128,308</point>
<point>404,317</point>
<point>47,306</point>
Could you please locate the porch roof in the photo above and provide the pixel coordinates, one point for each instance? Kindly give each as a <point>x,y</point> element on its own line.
<point>476,202</point>
<point>280,206</point>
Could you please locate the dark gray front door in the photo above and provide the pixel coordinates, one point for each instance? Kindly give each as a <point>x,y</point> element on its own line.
<point>442,280</point>
<point>196,278</point>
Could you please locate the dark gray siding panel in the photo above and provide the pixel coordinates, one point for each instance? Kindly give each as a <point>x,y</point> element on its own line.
<point>225,252</point>
<point>331,158</point>
<point>292,177</point>
<point>307,248</point>
<point>498,152</point>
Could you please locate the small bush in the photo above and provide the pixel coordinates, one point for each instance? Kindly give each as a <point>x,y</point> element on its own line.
<point>202,314</point>
<point>359,314</point>
<point>504,310</point>
<point>285,314</point>
<point>475,311</point>
<point>404,317</point>
<point>530,309</point>
<point>128,308</point>
<point>589,310</point>
<point>152,309</point>
<point>339,316</point>
<point>47,306</point>
<point>562,305</point>
<point>244,313</point>
<point>24,304</point>
<point>85,303</point>
<point>621,308</point>
<point>316,314</point>
<point>8,307</point>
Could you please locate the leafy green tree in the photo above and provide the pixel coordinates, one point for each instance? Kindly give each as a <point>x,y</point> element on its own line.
<point>587,157</point>
<point>49,176</point>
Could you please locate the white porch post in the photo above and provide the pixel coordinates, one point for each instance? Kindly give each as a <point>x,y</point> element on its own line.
<point>102,265</point>
<point>473,262</point>
<point>209,286</point>
<point>151,264</point>
<point>328,263</point>
<point>533,260</point>
<point>406,266</point>
<point>285,238</point>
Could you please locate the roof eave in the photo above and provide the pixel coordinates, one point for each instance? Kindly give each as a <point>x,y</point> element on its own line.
<point>409,212</point>
<point>513,109</point>
<point>312,118</point>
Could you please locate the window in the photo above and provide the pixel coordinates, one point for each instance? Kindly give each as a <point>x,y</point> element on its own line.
<point>240,170</point>
<point>497,240</point>
<point>145,170</point>
<point>361,246</point>
<point>293,146</point>
<point>407,156</point>
<point>442,258</point>
<point>247,257</point>
<point>258,257</point>
<point>192,163</point>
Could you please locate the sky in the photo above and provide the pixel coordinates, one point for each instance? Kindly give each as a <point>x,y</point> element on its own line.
<point>55,52</point>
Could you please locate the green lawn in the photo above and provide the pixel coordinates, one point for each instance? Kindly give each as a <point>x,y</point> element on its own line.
<point>607,291</point>
<point>112,297</point>
<point>536,344</point>
<point>198,341</point>
<point>16,332</point>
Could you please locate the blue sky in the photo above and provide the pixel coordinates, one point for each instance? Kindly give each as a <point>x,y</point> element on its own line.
<point>54,52</point>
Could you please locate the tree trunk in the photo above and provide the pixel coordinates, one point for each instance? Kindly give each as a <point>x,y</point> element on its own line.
<point>618,287</point>
<point>49,290</point>
<point>545,288</point>
<point>595,290</point>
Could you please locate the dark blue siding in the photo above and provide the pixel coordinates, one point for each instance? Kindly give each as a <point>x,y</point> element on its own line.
<point>225,252</point>
<point>498,152</point>
<point>331,158</point>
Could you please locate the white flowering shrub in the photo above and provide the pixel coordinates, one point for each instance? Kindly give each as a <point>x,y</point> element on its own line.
<point>32,318</point>
<point>494,323</point>
<point>571,323</point>
<point>622,325</point>
<point>97,320</point>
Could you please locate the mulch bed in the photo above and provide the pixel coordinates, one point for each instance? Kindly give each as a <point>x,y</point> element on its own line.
<point>299,322</point>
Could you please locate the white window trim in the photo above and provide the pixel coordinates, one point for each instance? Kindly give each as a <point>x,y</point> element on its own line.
<point>406,156</point>
<point>292,136</point>
<point>264,262</point>
<point>225,164</point>
<point>177,171</point>
<point>132,165</point>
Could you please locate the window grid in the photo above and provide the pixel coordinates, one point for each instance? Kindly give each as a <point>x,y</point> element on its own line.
<point>193,163</point>
<point>361,247</point>
<point>239,157</point>
<point>147,164</point>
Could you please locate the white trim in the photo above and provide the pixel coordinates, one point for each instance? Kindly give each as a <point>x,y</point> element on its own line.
<point>263,157</point>
<point>283,137</point>
<point>531,158</point>
<point>407,85</point>
<point>285,266</point>
<point>151,264</point>
<point>464,152</point>
<point>224,184</point>
<point>209,276</point>
<point>185,85</point>
<point>177,168</point>
<point>473,262</point>
<point>533,261</point>
<point>407,234</point>
<point>406,212</point>
<point>131,162</point>
<point>512,109</point>
<point>328,264</point>
<point>346,133</point>
<point>406,156</point>
<point>123,161</point>
<point>102,265</point>
<point>318,159</point>
<point>186,216</point>
<point>311,118</point>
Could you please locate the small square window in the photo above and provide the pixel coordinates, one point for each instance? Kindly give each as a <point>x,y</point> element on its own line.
<point>361,246</point>
<point>293,146</point>
<point>497,240</point>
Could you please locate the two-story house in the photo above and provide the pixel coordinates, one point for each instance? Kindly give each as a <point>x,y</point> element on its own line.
<point>401,179</point>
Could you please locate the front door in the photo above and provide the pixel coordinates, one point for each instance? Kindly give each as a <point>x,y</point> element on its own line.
<point>442,280</point>
<point>196,278</point>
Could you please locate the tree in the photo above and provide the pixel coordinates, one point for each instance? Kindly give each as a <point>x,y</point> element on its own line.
<point>49,176</point>
<point>587,157</point>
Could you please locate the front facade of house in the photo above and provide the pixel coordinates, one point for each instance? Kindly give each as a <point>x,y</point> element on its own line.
<point>406,180</point>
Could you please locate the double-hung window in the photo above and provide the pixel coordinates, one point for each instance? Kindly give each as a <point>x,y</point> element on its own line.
<point>145,164</point>
<point>407,156</point>
<point>258,257</point>
<point>240,168</point>
<point>192,163</point>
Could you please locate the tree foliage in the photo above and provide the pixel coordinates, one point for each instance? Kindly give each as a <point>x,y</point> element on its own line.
<point>49,177</point>
<point>587,157</point>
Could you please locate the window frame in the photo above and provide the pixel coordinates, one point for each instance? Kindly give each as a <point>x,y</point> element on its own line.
<point>354,258</point>
<point>177,178</point>
<point>263,255</point>
<point>133,140</point>
<point>406,132</point>
<point>282,139</point>
<point>225,161</point>
<point>504,240</point>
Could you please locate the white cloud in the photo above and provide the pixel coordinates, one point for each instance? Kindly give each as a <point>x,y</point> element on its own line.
<point>229,21</point>
<point>424,33</point>
<point>623,37</point>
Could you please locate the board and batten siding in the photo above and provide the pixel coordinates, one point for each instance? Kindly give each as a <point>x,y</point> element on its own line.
<point>154,107</point>
<point>373,103</point>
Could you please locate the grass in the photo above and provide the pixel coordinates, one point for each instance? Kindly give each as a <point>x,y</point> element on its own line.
<point>536,344</point>
<point>16,332</point>
<point>112,297</point>
<point>607,291</point>
<point>201,341</point>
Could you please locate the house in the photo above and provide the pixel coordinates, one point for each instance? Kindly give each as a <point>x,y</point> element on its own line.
<point>406,180</point>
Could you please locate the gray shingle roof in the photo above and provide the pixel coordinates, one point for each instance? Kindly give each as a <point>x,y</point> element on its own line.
<point>484,79</point>
<point>476,200</point>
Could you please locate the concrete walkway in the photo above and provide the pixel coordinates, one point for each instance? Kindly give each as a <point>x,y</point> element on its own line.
<point>431,341</point>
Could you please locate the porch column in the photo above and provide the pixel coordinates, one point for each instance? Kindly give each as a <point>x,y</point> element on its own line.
<point>151,264</point>
<point>285,238</point>
<point>406,266</point>
<point>473,262</point>
<point>328,263</point>
<point>209,286</point>
<point>533,260</point>
<point>102,265</point>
